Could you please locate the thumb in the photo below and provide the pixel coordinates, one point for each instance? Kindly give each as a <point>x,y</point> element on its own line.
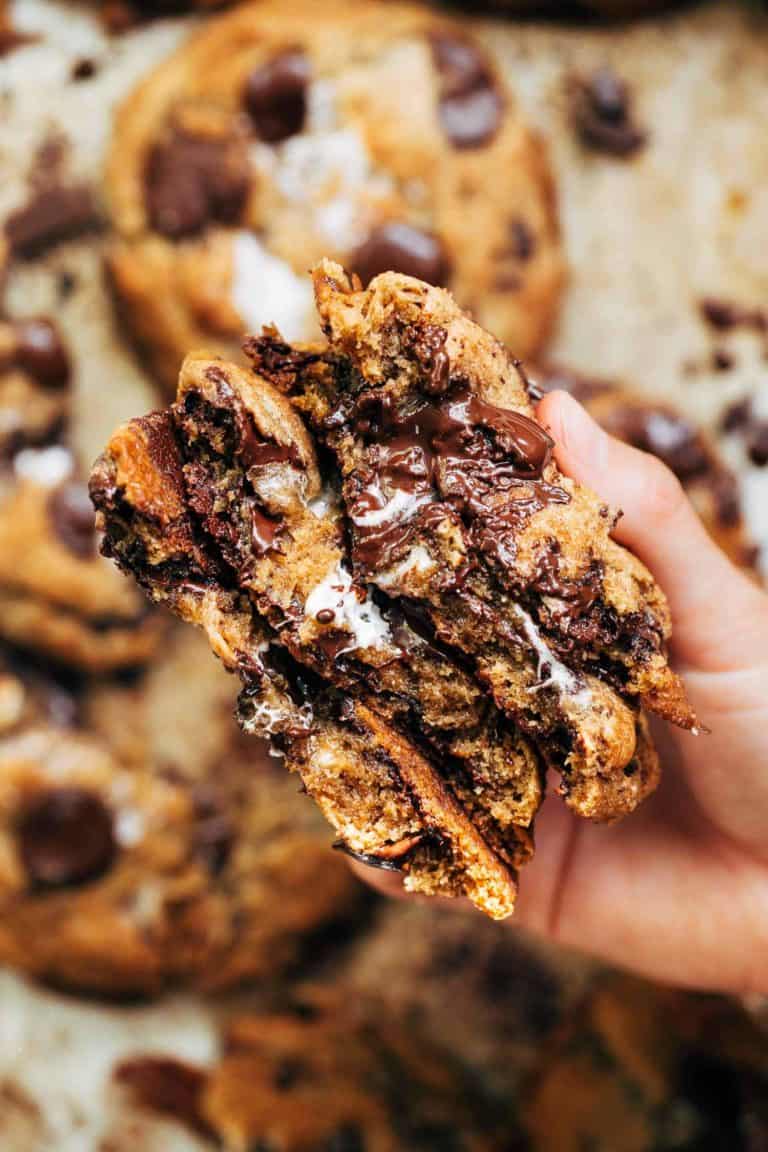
<point>714,605</point>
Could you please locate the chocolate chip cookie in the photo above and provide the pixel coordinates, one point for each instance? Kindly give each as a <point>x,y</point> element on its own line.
<point>323,1074</point>
<point>420,641</point>
<point>121,873</point>
<point>35,374</point>
<point>280,133</point>
<point>658,427</point>
<point>57,595</point>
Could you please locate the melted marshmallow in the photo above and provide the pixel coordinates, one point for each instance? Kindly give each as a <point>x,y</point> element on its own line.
<point>557,675</point>
<point>45,466</point>
<point>360,618</point>
<point>266,290</point>
<point>417,560</point>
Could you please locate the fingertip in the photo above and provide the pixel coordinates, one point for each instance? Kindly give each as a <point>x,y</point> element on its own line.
<point>581,445</point>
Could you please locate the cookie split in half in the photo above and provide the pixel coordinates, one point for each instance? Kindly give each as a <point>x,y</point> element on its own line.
<point>425,613</point>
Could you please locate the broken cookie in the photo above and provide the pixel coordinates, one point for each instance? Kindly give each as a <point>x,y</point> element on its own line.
<point>422,639</point>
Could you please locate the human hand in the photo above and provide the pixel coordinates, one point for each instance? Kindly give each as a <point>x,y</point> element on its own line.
<point>678,890</point>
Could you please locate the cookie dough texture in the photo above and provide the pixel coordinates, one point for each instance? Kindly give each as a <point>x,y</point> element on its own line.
<point>123,873</point>
<point>280,133</point>
<point>420,643</point>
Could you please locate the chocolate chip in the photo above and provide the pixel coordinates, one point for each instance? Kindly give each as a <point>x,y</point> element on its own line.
<point>737,415</point>
<point>83,69</point>
<point>723,315</point>
<point>73,519</point>
<point>522,242</point>
<point>275,96</point>
<point>166,1086</point>
<point>722,361</point>
<point>757,444</point>
<point>601,111</point>
<point>53,215</point>
<point>66,838</point>
<point>400,247</point>
<point>40,353</point>
<point>470,105</point>
<point>191,180</point>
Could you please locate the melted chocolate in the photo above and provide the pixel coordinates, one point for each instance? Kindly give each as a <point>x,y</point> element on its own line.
<point>66,838</point>
<point>192,180</point>
<point>486,462</point>
<point>400,247</point>
<point>471,107</point>
<point>275,96</point>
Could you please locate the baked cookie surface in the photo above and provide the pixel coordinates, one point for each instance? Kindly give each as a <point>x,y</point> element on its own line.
<point>422,641</point>
<point>57,596</point>
<point>280,133</point>
<point>122,873</point>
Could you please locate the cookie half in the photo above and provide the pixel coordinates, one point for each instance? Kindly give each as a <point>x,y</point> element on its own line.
<point>281,133</point>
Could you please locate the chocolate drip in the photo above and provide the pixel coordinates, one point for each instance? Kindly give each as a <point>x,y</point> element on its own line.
<point>486,462</point>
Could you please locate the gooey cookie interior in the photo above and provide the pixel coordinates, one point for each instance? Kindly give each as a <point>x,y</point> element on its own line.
<point>422,637</point>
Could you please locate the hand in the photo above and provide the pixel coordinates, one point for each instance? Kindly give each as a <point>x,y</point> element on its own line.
<point>678,890</point>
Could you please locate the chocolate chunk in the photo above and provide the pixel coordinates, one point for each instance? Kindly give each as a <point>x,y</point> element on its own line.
<point>400,247</point>
<point>167,1086</point>
<point>470,106</point>
<point>66,838</point>
<point>40,353</point>
<point>601,110</point>
<point>722,360</point>
<point>53,215</point>
<point>192,180</point>
<point>73,519</point>
<point>275,96</point>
